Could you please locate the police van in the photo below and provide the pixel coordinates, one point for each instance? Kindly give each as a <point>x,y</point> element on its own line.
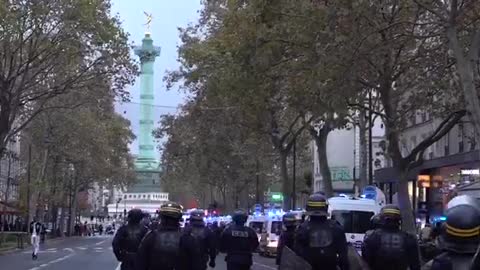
<point>257,223</point>
<point>354,214</point>
<point>271,234</point>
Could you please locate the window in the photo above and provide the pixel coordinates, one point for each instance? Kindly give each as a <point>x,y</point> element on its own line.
<point>353,221</point>
<point>276,227</point>
<point>257,226</point>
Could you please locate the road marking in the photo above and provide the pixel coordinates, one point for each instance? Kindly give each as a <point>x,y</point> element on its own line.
<point>117,268</point>
<point>68,249</point>
<point>82,248</point>
<point>101,242</point>
<point>52,262</point>
<point>264,266</point>
<point>98,248</point>
<point>51,249</point>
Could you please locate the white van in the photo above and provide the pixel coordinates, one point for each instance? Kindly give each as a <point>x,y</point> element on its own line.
<point>257,223</point>
<point>271,235</point>
<point>354,215</point>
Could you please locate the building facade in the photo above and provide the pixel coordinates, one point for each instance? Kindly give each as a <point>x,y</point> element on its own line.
<point>449,164</point>
<point>343,153</point>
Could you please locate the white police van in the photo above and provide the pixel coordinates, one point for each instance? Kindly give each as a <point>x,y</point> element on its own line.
<point>354,214</point>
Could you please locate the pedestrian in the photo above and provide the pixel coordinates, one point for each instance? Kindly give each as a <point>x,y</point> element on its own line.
<point>167,248</point>
<point>388,247</point>
<point>35,230</point>
<point>127,240</point>
<point>100,229</point>
<point>238,242</point>
<point>460,237</point>
<point>205,240</point>
<point>321,241</point>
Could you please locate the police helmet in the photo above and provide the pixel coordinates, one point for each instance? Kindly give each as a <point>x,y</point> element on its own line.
<point>171,210</point>
<point>461,230</point>
<point>197,217</point>
<point>135,216</point>
<point>239,216</point>
<point>317,205</point>
<point>375,221</point>
<point>289,220</point>
<point>390,212</point>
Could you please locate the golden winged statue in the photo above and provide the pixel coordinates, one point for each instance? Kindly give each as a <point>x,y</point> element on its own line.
<point>149,21</point>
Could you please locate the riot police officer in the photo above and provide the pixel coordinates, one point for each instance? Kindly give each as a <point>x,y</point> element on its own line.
<point>205,240</point>
<point>388,247</point>
<point>321,241</point>
<point>375,223</point>
<point>288,235</point>
<point>127,240</point>
<point>239,242</point>
<point>460,235</point>
<point>166,248</point>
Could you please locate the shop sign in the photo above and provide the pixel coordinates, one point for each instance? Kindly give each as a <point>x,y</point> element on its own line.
<point>423,181</point>
<point>470,172</point>
<point>340,174</point>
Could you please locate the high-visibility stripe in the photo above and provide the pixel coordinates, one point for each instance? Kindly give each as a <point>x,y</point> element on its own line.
<point>316,204</point>
<point>170,209</point>
<point>391,211</point>
<point>463,232</point>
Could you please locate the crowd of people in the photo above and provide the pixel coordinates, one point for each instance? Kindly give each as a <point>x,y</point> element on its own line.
<point>318,241</point>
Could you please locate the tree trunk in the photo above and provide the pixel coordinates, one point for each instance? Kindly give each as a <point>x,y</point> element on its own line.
<point>286,183</point>
<point>363,150</point>
<point>405,204</point>
<point>321,141</point>
<point>73,206</point>
<point>466,71</point>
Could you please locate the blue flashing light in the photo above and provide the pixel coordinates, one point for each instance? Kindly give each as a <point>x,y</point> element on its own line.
<point>442,218</point>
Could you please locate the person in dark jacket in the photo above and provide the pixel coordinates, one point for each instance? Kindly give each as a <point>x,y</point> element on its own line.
<point>167,248</point>
<point>238,242</point>
<point>388,247</point>
<point>287,237</point>
<point>321,241</point>
<point>205,240</point>
<point>460,236</point>
<point>127,240</point>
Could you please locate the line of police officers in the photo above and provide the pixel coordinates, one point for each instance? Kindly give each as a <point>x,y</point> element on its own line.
<point>319,241</point>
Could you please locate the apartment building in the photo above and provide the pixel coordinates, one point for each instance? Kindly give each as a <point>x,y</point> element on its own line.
<point>450,163</point>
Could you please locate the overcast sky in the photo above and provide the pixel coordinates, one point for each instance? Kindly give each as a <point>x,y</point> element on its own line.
<point>168,15</point>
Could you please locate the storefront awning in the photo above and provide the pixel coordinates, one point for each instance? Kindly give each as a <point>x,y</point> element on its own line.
<point>390,175</point>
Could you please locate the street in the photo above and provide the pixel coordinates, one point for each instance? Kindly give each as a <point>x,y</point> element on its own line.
<point>87,253</point>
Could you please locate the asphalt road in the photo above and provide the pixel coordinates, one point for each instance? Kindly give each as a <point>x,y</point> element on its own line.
<point>87,253</point>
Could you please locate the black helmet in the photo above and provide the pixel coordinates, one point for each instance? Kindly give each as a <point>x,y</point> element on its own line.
<point>317,205</point>
<point>289,220</point>
<point>239,216</point>
<point>172,210</point>
<point>461,230</point>
<point>375,221</point>
<point>390,212</point>
<point>196,217</point>
<point>135,215</point>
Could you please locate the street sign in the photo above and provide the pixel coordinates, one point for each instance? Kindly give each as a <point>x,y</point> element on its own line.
<point>277,197</point>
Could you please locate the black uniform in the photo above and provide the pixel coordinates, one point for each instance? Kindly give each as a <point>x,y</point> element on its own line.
<point>320,241</point>
<point>167,248</point>
<point>460,238</point>
<point>239,242</point>
<point>126,242</point>
<point>287,239</point>
<point>390,249</point>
